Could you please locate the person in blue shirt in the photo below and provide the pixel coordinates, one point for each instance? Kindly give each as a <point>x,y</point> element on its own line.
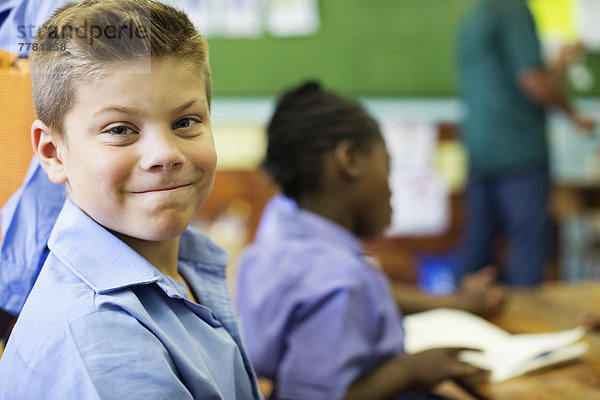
<point>20,19</point>
<point>319,318</point>
<point>27,220</point>
<point>130,303</point>
<point>23,247</point>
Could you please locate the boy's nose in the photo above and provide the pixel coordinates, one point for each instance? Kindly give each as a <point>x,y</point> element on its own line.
<point>161,150</point>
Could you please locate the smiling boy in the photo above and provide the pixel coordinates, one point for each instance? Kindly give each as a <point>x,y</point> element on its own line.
<point>130,303</point>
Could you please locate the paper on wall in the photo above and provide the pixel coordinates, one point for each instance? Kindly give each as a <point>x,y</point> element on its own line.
<point>242,18</point>
<point>228,18</point>
<point>587,13</point>
<point>206,15</point>
<point>293,17</point>
<point>419,192</point>
<point>411,144</point>
<point>554,19</point>
<point>419,203</point>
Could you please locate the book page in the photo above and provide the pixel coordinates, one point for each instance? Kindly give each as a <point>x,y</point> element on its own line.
<point>505,354</point>
<point>449,328</point>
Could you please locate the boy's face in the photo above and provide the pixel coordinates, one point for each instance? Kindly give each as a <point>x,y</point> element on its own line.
<point>138,154</point>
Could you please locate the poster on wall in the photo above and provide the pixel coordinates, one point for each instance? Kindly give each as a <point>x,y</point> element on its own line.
<point>419,203</point>
<point>420,195</point>
<point>206,15</point>
<point>242,19</point>
<point>250,19</point>
<point>293,17</point>
<point>587,13</point>
<point>560,22</point>
<point>564,23</point>
<point>224,18</point>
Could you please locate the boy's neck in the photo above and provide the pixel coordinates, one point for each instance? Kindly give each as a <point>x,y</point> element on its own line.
<point>162,254</point>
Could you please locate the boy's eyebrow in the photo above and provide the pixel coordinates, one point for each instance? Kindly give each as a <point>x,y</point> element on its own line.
<point>134,110</point>
<point>186,105</point>
<point>120,109</point>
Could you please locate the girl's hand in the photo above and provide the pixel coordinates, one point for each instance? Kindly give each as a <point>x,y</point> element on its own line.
<point>435,365</point>
<point>589,322</point>
<point>480,294</point>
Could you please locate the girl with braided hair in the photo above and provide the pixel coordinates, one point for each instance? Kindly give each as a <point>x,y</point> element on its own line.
<point>319,319</point>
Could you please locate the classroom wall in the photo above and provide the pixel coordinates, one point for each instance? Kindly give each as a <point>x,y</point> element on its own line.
<point>398,48</point>
<point>376,47</point>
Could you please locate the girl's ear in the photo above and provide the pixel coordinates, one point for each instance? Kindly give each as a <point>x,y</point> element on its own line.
<point>348,158</point>
<point>45,145</point>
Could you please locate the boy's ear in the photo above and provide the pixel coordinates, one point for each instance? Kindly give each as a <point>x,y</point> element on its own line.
<point>45,145</point>
<point>348,158</point>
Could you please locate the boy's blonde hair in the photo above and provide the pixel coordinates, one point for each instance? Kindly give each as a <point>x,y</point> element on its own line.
<point>82,40</point>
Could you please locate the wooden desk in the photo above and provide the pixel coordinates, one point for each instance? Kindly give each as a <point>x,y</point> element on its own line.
<point>552,307</point>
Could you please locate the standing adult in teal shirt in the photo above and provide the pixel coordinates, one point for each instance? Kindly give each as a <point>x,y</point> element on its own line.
<point>507,89</point>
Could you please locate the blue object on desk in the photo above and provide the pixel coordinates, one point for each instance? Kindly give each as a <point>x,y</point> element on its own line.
<point>436,273</point>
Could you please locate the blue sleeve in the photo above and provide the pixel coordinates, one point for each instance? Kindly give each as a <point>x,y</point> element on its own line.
<point>328,348</point>
<point>518,36</point>
<point>27,220</point>
<point>22,22</point>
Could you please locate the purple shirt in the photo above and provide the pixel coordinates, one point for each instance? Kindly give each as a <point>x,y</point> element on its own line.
<point>277,207</point>
<point>315,315</point>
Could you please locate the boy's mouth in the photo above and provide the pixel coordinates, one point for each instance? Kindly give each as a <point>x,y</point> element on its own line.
<point>162,189</point>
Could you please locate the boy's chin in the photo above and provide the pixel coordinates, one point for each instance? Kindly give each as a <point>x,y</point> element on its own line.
<point>152,233</point>
<point>162,233</point>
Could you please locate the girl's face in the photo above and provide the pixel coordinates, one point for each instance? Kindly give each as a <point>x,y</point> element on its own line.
<point>373,210</point>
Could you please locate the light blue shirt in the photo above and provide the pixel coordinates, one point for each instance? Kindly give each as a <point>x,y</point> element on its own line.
<point>23,20</point>
<point>316,316</point>
<point>103,323</point>
<point>27,220</point>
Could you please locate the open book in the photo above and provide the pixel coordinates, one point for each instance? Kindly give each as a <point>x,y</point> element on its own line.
<point>505,355</point>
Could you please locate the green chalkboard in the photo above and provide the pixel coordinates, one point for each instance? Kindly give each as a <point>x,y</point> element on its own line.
<point>363,48</point>
<point>592,61</point>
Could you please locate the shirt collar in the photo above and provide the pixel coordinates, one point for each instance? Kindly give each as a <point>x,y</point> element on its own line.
<point>307,223</point>
<point>106,263</point>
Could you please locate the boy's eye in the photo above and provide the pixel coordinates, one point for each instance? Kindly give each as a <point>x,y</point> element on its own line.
<point>185,123</point>
<point>120,130</point>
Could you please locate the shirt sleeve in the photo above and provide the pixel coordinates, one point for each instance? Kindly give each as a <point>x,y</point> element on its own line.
<point>328,347</point>
<point>518,36</point>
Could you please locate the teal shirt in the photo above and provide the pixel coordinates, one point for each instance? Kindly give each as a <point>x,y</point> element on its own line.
<point>504,130</point>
